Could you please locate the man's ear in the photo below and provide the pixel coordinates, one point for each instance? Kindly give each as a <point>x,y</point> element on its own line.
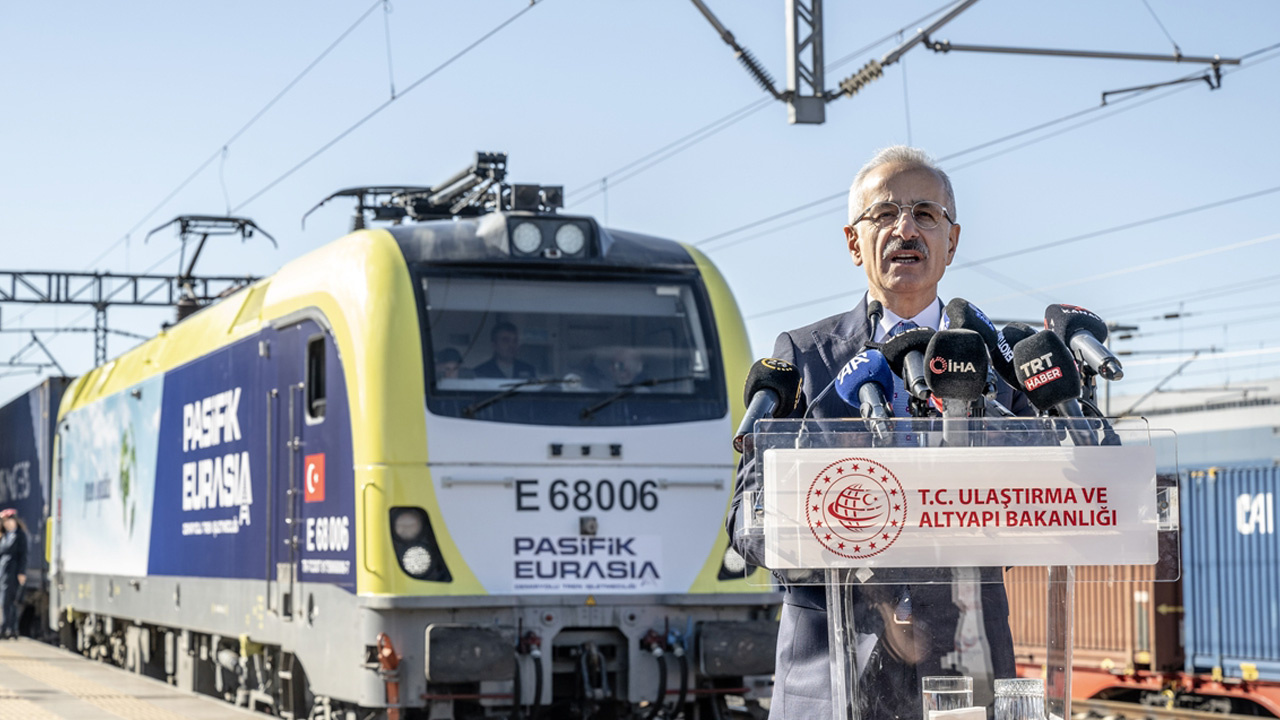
<point>953,240</point>
<point>855,245</point>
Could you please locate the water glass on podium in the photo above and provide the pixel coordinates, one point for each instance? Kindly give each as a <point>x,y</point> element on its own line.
<point>1020,699</point>
<point>950,692</point>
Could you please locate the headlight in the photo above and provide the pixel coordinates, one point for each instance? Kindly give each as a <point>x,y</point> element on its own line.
<point>527,238</point>
<point>416,560</point>
<point>408,525</point>
<point>733,562</point>
<point>570,239</point>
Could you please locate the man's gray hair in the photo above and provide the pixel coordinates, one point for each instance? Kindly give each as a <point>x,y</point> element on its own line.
<point>897,155</point>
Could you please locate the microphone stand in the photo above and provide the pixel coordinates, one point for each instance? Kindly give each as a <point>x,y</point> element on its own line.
<point>1088,400</point>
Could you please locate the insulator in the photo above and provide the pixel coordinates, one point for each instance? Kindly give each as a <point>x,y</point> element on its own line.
<point>855,82</point>
<point>757,70</point>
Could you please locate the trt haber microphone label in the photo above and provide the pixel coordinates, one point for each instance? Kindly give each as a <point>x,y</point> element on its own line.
<point>1037,380</point>
<point>959,506</point>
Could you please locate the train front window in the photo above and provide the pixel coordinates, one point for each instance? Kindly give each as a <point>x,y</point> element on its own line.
<point>582,352</point>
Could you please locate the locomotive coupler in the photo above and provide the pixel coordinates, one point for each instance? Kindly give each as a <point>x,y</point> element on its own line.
<point>389,671</point>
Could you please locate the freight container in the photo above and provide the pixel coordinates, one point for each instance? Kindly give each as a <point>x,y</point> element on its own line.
<point>26,451</point>
<point>1124,619</point>
<point>1231,561</point>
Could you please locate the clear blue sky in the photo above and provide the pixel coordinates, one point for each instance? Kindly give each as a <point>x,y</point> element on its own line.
<point>110,106</point>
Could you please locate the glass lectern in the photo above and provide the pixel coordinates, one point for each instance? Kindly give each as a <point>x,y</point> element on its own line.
<point>910,526</point>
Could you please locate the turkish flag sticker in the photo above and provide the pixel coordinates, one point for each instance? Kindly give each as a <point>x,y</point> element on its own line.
<point>315,478</point>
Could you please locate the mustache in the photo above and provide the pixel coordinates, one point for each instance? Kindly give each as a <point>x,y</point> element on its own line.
<point>898,245</point>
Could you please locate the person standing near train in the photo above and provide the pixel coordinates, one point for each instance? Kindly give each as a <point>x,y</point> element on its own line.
<point>13,566</point>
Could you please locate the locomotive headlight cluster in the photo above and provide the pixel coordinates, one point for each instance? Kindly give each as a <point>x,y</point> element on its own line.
<point>415,545</point>
<point>550,237</point>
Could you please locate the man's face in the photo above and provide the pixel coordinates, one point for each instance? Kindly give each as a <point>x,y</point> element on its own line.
<point>903,261</point>
<point>505,344</point>
<point>625,367</point>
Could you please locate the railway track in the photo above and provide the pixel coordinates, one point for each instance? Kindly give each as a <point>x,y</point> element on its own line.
<point>1110,710</point>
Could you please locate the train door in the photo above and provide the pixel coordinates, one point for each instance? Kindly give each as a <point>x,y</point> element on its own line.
<point>299,368</point>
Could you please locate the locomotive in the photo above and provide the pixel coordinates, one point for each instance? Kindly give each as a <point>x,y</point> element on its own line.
<point>467,464</point>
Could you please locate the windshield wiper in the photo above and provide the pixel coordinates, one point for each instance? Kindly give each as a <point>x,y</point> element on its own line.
<point>629,389</point>
<point>471,410</point>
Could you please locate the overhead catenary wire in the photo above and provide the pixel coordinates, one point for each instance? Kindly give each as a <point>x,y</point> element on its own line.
<point>70,325</point>
<point>706,131</point>
<point>1176,50</point>
<point>1196,328</point>
<point>1200,294</point>
<point>975,264</point>
<point>412,86</point>
<point>1183,315</point>
<point>1065,118</point>
<point>1005,138</point>
<point>1142,267</point>
<point>222,148</point>
<point>386,24</point>
<point>325,147</point>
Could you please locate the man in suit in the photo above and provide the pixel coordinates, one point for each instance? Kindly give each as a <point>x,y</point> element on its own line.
<point>504,363</point>
<point>903,233</point>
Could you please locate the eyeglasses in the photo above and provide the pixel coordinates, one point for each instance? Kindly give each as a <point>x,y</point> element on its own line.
<point>926,214</point>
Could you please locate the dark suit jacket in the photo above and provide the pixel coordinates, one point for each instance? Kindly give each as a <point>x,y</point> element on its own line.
<point>802,675</point>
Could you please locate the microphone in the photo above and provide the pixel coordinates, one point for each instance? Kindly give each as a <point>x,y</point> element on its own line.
<point>960,314</point>
<point>1047,373</point>
<point>1084,332</point>
<point>957,363</point>
<point>772,390</point>
<point>875,311</point>
<point>1016,332</point>
<point>866,382</point>
<point>958,366</point>
<point>905,353</point>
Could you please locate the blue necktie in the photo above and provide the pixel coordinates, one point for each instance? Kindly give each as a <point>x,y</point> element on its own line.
<point>900,395</point>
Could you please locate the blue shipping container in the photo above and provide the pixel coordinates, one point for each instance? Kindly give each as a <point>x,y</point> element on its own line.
<point>1231,571</point>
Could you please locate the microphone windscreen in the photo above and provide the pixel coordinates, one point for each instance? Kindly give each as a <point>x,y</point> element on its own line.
<point>957,364</point>
<point>1046,370</point>
<point>1067,320</point>
<point>897,347</point>
<point>875,311</point>
<point>1016,332</point>
<point>779,376</point>
<point>960,314</point>
<point>868,366</point>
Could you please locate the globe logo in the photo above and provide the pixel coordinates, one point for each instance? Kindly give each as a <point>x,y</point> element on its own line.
<point>856,508</point>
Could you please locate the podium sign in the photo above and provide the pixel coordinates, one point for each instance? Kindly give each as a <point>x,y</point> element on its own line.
<point>959,507</point>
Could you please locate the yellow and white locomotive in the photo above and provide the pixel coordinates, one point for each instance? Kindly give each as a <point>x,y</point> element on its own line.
<point>469,464</point>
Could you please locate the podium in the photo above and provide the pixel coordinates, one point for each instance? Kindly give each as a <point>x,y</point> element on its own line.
<point>909,525</point>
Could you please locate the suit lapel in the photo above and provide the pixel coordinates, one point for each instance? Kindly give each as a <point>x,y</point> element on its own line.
<point>845,339</point>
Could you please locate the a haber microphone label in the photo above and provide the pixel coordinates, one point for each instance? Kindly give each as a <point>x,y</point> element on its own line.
<point>958,507</point>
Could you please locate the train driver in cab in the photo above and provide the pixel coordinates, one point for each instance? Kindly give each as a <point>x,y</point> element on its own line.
<point>504,363</point>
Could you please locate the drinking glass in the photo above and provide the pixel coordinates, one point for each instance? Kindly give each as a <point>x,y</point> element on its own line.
<point>949,692</point>
<point>1020,699</point>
